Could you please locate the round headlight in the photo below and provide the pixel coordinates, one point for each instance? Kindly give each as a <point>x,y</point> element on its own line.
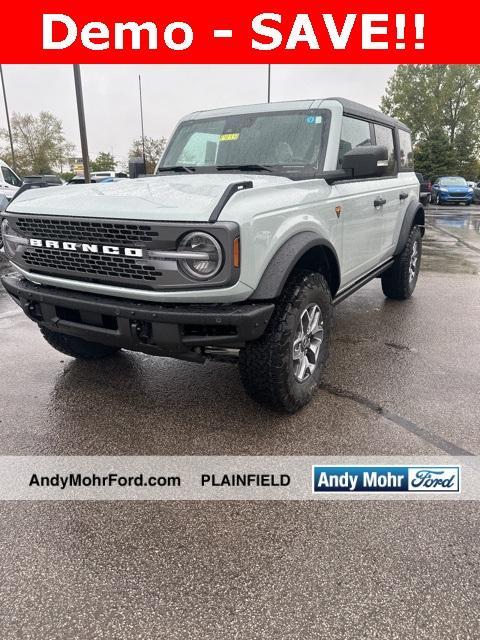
<point>207,256</point>
<point>12,242</point>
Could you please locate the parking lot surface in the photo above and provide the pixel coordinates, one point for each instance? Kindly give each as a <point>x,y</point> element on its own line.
<point>403,378</point>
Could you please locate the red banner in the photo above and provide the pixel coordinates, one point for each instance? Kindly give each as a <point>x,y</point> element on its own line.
<point>254,31</point>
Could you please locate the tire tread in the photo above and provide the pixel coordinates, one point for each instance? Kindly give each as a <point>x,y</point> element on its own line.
<point>263,363</point>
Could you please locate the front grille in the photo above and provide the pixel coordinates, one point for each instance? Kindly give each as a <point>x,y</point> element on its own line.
<point>100,266</point>
<point>117,233</point>
<point>92,264</point>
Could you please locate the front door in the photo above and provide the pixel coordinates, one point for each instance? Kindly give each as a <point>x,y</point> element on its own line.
<point>362,227</point>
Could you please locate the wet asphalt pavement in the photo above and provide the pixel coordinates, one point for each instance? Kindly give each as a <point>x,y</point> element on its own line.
<point>403,378</point>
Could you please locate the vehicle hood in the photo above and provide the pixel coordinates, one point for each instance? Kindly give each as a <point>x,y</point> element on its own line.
<point>182,198</point>
<point>454,189</point>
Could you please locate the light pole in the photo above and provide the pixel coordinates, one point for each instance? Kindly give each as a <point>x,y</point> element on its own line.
<point>268,81</point>
<point>81,121</point>
<point>141,117</point>
<point>8,119</point>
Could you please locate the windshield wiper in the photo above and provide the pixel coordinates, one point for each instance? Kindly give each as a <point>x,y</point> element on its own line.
<point>178,168</point>
<point>244,167</point>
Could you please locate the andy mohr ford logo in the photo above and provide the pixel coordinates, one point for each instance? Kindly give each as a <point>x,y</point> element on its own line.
<point>87,248</point>
<point>385,478</point>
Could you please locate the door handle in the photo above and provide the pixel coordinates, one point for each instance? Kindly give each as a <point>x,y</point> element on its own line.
<point>379,202</point>
<point>403,195</point>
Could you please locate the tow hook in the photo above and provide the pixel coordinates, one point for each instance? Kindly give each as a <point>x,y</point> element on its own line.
<point>141,329</point>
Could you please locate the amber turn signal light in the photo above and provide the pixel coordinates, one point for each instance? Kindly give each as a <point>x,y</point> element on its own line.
<point>236,253</point>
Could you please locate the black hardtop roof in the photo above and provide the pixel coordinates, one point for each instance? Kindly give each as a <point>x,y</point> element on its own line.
<point>361,111</point>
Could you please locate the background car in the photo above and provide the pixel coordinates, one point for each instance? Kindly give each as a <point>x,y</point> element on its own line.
<point>476,193</point>
<point>9,181</point>
<point>49,179</point>
<point>97,175</point>
<point>3,205</point>
<point>425,188</point>
<point>451,189</point>
<point>81,180</point>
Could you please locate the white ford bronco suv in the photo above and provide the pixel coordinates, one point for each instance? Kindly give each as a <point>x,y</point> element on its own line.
<point>257,221</point>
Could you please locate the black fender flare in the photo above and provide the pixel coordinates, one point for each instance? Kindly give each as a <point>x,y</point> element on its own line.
<point>283,262</point>
<point>410,214</point>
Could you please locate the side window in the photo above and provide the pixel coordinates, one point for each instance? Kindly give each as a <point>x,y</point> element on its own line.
<point>10,177</point>
<point>384,138</point>
<point>406,151</point>
<point>355,133</point>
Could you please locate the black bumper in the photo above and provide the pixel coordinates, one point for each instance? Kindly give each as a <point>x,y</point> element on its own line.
<point>160,329</point>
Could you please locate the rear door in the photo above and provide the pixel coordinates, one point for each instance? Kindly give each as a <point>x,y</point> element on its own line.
<point>391,190</point>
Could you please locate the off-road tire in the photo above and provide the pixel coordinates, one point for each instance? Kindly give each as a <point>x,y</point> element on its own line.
<point>266,365</point>
<point>77,347</point>
<point>396,281</point>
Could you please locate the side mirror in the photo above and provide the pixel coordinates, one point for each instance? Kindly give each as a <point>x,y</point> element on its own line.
<point>136,167</point>
<point>370,161</point>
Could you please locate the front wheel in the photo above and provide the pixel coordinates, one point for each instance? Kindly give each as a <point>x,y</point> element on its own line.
<point>399,281</point>
<point>282,369</point>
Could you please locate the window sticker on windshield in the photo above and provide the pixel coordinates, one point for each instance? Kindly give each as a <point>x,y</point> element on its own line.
<point>229,136</point>
<point>314,119</point>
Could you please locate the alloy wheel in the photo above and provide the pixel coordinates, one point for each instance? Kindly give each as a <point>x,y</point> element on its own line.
<point>412,267</point>
<point>307,342</point>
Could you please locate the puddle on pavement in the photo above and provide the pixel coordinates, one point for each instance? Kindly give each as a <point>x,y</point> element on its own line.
<point>448,229</point>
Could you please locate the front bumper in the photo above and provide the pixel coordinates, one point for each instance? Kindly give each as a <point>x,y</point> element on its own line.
<point>445,197</point>
<point>175,330</point>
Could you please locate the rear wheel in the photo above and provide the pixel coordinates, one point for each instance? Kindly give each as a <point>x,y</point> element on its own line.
<point>399,281</point>
<point>77,347</point>
<point>282,369</point>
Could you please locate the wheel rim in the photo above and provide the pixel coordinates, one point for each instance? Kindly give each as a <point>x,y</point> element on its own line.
<point>412,269</point>
<point>307,342</point>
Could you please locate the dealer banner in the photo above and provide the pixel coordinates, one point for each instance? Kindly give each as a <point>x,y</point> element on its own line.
<point>239,478</point>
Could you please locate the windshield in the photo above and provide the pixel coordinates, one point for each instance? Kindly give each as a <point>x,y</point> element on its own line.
<point>290,140</point>
<point>453,182</point>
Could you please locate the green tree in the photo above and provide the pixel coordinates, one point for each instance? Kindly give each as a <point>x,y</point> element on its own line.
<point>103,162</point>
<point>154,148</point>
<point>438,98</point>
<point>39,143</point>
<point>434,156</point>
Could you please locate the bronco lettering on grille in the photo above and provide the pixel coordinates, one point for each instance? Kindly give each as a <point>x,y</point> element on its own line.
<point>87,248</point>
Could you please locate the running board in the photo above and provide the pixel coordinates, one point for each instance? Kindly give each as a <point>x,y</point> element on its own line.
<point>358,284</point>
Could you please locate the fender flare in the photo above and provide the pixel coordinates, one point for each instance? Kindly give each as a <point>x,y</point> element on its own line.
<point>410,214</point>
<point>283,262</point>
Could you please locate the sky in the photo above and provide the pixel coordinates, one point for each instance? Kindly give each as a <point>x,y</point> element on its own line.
<point>171,91</point>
